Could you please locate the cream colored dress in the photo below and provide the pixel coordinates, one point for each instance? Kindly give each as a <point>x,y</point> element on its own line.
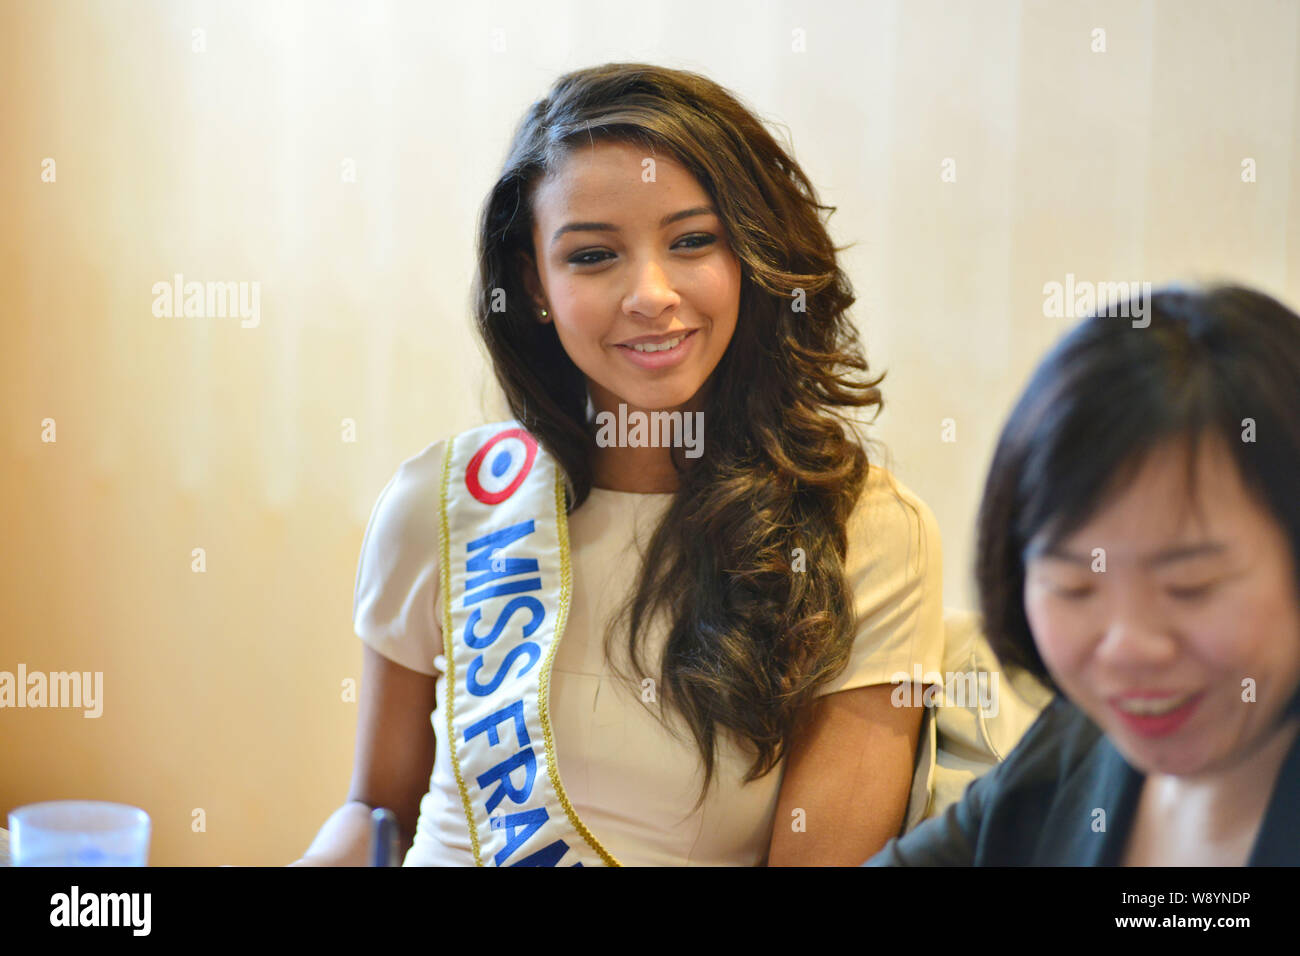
<point>633,782</point>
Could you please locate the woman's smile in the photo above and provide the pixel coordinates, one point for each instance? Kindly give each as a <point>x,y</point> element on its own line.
<point>1149,716</point>
<point>655,352</point>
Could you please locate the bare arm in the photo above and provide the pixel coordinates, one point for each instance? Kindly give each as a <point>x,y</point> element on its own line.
<point>850,774</point>
<point>394,758</point>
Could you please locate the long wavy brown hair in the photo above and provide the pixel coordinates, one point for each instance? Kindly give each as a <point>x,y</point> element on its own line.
<point>750,639</point>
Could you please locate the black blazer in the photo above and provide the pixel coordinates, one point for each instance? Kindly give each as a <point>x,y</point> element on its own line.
<point>1038,806</point>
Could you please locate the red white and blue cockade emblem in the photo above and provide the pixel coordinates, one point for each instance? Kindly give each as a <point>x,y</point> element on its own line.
<point>498,468</point>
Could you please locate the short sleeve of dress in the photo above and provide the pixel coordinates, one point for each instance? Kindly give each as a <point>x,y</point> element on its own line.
<point>393,608</point>
<point>894,569</point>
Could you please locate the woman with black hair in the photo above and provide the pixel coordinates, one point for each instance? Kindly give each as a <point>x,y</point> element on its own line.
<point>1139,551</point>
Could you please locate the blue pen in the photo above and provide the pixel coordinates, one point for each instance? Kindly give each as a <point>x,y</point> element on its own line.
<point>383,838</point>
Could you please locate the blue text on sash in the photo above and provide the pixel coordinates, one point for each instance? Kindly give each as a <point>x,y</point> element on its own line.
<point>483,582</point>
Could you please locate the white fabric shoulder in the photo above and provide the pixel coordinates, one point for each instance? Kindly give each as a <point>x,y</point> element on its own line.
<point>894,569</point>
<point>393,607</point>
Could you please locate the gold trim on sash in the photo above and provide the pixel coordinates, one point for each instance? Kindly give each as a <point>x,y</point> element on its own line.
<point>544,689</point>
<point>449,685</point>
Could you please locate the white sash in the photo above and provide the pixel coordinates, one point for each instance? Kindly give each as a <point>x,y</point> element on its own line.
<point>506,581</point>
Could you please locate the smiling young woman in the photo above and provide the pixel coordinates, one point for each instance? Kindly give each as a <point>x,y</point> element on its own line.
<point>645,305</point>
<point>736,613</point>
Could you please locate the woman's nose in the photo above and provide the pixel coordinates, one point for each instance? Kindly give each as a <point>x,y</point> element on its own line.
<point>1137,641</point>
<point>652,292</point>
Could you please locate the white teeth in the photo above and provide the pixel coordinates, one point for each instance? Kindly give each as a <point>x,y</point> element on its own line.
<point>1151,707</point>
<point>664,347</point>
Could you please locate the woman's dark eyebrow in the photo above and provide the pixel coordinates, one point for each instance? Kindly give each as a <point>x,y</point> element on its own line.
<point>610,227</point>
<point>1167,556</point>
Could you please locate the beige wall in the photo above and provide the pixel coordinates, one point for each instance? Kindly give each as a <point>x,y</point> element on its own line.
<point>222,688</point>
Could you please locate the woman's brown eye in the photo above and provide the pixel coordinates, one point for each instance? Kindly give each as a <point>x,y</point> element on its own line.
<point>581,258</point>
<point>1074,593</point>
<point>1192,593</point>
<point>703,239</point>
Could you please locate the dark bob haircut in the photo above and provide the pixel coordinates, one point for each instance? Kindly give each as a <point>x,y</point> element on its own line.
<point>1108,394</point>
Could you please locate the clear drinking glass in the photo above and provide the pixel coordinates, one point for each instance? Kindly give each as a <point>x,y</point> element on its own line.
<point>78,833</point>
